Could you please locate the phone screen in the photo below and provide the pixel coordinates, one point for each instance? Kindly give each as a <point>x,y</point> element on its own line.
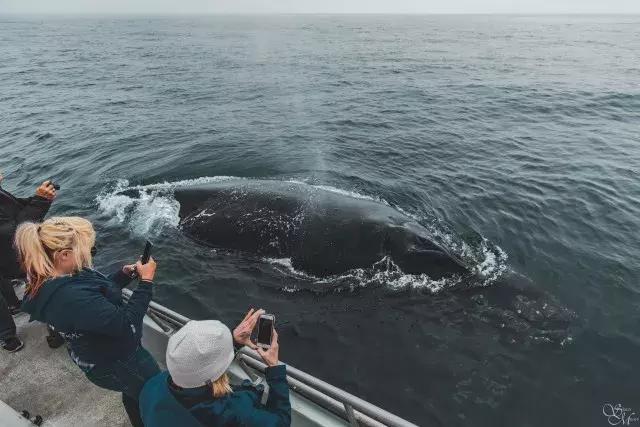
<point>265,329</point>
<point>147,252</point>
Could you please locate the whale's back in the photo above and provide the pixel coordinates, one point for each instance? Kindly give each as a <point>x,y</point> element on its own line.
<point>324,233</point>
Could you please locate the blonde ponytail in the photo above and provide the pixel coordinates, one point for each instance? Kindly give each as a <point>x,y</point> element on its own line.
<point>221,387</point>
<point>37,245</point>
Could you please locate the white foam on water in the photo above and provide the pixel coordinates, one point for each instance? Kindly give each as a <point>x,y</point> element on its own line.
<point>282,262</point>
<point>144,215</point>
<point>493,262</point>
<point>384,272</point>
<point>154,208</point>
<point>284,265</point>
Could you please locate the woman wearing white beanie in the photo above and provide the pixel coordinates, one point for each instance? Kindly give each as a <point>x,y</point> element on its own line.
<point>196,390</point>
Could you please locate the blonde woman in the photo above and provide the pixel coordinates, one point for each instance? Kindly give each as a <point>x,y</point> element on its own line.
<point>103,334</point>
<point>196,390</point>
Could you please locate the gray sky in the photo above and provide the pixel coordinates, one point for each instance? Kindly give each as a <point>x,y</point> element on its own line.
<point>318,6</point>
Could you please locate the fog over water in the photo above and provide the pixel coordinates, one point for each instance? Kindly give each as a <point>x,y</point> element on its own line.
<point>318,6</point>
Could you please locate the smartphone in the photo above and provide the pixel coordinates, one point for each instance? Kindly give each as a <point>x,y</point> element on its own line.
<point>265,330</point>
<point>55,186</point>
<point>145,257</point>
<point>147,252</point>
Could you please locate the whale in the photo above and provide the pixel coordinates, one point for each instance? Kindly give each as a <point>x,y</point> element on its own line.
<point>326,232</point>
<point>322,232</point>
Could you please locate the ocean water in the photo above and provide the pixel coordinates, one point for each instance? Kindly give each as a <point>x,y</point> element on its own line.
<point>513,139</point>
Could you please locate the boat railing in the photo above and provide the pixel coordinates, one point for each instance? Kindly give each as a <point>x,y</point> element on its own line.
<point>354,410</point>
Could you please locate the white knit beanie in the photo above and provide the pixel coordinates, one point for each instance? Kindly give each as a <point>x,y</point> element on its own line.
<point>199,352</point>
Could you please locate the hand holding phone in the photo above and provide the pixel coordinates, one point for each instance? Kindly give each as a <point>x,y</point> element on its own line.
<point>271,355</point>
<point>266,323</point>
<point>54,185</point>
<point>145,269</point>
<point>46,191</point>
<point>147,252</point>
<point>242,333</point>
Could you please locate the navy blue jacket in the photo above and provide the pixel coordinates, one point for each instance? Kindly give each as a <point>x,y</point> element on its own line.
<point>87,309</point>
<point>163,404</point>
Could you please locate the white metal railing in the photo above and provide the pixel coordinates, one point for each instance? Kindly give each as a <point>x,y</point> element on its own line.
<point>355,411</point>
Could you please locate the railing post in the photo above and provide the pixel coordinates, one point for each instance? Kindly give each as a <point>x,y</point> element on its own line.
<point>351,414</point>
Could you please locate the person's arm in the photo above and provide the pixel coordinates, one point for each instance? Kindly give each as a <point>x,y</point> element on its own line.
<point>138,304</point>
<point>279,416</point>
<point>20,210</point>
<point>242,332</point>
<point>106,318</point>
<point>122,277</point>
<point>141,297</point>
<point>278,402</point>
<point>121,321</point>
<point>35,208</point>
<point>277,412</point>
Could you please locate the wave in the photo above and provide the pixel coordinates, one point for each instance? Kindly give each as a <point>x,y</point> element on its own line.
<point>155,208</point>
<point>145,215</point>
<point>383,273</point>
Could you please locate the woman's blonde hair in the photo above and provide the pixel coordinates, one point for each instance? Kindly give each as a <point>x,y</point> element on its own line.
<point>221,387</point>
<point>37,245</point>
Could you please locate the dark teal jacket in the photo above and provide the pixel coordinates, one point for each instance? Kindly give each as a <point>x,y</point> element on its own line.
<point>87,309</point>
<point>163,404</point>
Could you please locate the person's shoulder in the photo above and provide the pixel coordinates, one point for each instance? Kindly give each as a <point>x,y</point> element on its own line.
<point>90,272</point>
<point>53,285</point>
<point>89,277</point>
<point>77,285</point>
<point>243,398</point>
<point>65,288</point>
<point>155,384</point>
<point>160,379</point>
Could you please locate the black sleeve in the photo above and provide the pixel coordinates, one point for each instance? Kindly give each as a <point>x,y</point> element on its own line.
<point>33,209</point>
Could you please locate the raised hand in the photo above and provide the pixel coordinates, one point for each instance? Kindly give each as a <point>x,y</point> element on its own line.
<point>270,356</point>
<point>242,333</point>
<point>46,191</point>
<point>129,269</point>
<point>146,271</point>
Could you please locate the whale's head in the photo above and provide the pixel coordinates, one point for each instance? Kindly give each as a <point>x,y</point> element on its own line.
<point>415,252</point>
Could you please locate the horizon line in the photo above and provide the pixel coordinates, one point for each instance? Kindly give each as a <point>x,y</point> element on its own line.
<point>318,13</point>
